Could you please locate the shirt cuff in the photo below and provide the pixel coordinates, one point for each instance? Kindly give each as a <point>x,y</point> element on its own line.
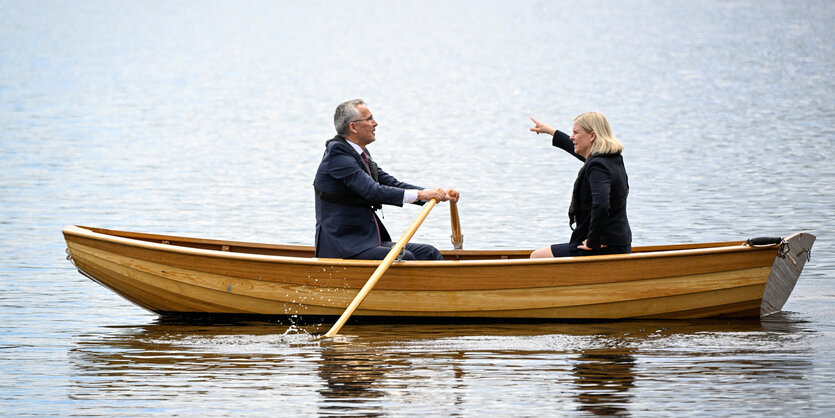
<point>410,196</point>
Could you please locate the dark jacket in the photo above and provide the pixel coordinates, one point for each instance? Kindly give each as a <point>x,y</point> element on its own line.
<point>346,224</point>
<point>601,190</point>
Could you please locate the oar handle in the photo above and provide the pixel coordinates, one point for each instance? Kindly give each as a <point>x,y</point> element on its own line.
<point>456,237</point>
<point>381,269</point>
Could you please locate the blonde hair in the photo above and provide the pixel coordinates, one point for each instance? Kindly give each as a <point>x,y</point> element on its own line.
<point>605,142</point>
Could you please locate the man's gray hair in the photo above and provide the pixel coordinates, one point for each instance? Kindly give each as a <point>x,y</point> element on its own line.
<point>345,114</point>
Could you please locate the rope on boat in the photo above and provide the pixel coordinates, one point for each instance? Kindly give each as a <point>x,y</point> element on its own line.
<point>400,256</point>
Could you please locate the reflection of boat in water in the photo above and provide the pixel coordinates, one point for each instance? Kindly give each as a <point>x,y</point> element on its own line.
<point>603,380</point>
<point>177,275</point>
<point>388,369</point>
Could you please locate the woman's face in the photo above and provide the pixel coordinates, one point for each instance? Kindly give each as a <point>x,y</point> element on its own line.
<point>582,140</point>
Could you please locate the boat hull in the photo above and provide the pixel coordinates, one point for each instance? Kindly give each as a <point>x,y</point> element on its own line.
<point>175,275</point>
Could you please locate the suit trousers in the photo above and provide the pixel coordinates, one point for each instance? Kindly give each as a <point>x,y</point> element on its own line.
<point>412,251</point>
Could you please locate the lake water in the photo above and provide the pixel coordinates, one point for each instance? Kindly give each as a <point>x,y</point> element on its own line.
<point>208,119</point>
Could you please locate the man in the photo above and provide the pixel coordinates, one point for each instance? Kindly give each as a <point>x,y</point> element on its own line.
<point>350,187</point>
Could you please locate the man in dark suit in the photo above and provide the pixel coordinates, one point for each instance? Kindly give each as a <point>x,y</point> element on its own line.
<point>350,187</point>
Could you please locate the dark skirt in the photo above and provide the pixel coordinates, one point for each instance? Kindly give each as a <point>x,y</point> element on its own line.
<point>565,250</point>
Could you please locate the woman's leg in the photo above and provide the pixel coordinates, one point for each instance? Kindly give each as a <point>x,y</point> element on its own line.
<point>551,251</point>
<point>544,252</point>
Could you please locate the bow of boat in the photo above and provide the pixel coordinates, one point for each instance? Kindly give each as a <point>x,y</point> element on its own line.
<point>788,264</point>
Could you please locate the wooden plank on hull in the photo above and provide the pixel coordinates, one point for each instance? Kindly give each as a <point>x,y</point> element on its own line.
<point>450,275</point>
<point>220,293</point>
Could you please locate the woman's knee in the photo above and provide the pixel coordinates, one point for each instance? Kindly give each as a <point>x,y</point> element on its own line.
<point>553,251</point>
<point>544,252</point>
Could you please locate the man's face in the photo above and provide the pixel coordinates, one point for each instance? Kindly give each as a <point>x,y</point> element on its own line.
<point>364,126</point>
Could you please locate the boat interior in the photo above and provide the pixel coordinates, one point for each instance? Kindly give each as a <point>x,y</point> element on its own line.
<point>306,251</point>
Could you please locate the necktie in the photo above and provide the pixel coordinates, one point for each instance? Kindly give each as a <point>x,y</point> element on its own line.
<point>365,160</point>
<point>374,218</point>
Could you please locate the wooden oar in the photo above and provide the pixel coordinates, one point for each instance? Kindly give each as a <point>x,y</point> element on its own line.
<point>456,237</point>
<point>384,266</point>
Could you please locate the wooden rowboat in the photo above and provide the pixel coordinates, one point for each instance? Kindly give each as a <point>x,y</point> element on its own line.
<point>172,275</point>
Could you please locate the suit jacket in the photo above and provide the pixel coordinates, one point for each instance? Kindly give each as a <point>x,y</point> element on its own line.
<point>601,206</point>
<point>345,230</point>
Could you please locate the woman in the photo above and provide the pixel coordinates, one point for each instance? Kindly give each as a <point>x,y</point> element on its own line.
<point>598,202</point>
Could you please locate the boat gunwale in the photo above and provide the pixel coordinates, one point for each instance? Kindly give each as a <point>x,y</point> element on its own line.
<point>94,234</point>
